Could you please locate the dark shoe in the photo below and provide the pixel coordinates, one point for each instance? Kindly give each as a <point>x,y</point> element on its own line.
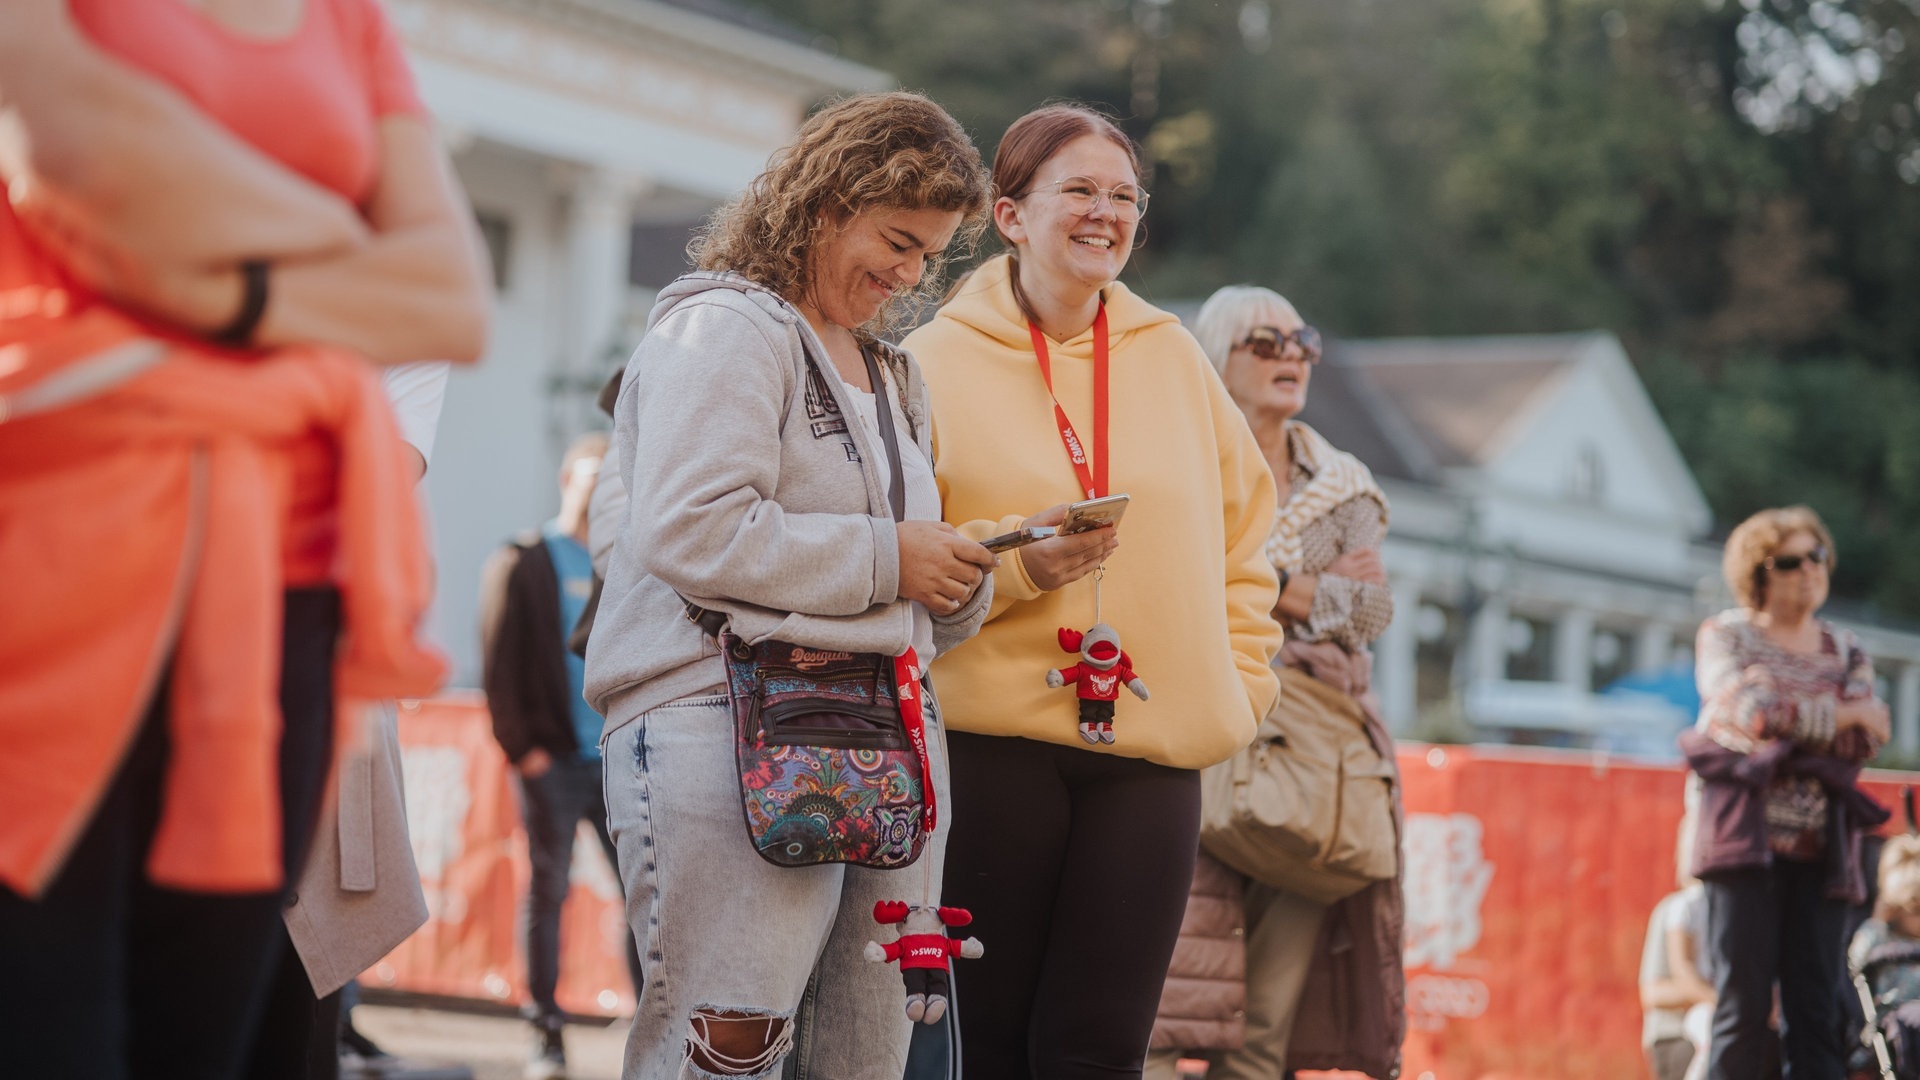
<point>548,1060</point>
<point>351,1041</point>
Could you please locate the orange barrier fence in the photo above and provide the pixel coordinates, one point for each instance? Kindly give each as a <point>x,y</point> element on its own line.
<point>472,851</point>
<point>1530,875</point>
<point>1530,878</point>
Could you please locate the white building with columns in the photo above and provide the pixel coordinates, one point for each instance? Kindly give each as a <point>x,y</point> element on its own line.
<point>591,136</point>
<point>1547,541</point>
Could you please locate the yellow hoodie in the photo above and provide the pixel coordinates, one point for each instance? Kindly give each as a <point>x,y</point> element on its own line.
<point>1189,591</point>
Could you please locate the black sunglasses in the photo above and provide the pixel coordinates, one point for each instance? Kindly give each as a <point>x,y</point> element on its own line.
<point>1787,564</point>
<point>1270,342</point>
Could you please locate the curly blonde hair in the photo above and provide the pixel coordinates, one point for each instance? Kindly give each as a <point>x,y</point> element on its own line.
<point>892,151</point>
<point>1757,538</point>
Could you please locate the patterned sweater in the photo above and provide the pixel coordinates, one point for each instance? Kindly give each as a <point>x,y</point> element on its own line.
<point>1348,613</point>
<point>1752,691</point>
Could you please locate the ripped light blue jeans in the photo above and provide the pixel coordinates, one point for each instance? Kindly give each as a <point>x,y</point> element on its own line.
<point>721,929</point>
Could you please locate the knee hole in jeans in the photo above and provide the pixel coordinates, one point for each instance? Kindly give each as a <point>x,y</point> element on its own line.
<point>737,1041</point>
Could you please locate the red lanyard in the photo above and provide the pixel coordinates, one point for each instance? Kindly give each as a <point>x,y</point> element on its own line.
<point>1093,480</point>
<point>906,676</point>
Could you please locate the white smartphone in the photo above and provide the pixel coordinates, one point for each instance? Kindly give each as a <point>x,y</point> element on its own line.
<point>1094,513</point>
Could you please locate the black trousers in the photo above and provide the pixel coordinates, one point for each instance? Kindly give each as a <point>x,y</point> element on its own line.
<point>298,1036</point>
<point>110,977</point>
<point>1076,866</point>
<point>552,805</point>
<point>1768,926</point>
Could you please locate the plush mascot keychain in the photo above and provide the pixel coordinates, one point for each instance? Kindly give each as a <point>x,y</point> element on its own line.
<point>1102,669</point>
<point>924,951</point>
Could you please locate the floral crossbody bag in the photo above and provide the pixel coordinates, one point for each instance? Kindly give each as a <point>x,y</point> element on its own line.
<point>831,745</point>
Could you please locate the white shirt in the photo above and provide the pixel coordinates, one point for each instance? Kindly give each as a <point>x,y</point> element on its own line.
<point>923,494</point>
<point>417,391</point>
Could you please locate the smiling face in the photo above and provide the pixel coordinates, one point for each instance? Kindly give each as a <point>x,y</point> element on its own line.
<point>1790,593</point>
<point>1277,386</point>
<point>1060,251</point>
<point>858,265</point>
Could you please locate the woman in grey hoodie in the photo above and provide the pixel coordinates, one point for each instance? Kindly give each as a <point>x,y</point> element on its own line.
<point>746,435</point>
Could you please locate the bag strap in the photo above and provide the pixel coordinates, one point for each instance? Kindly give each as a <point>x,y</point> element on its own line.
<point>713,622</point>
<point>883,410</point>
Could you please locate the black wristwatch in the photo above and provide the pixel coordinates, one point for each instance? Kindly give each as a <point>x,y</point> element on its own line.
<point>1286,575</point>
<point>238,334</point>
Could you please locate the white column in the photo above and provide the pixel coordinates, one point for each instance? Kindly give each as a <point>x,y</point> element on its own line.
<point>1652,647</point>
<point>1395,672</point>
<point>1906,710</point>
<point>1573,649</point>
<point>1487,639</point>
<point>599,237</point>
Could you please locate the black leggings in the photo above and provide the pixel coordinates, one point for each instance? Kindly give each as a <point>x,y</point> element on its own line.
<point>1075,865</point>
<point>110,977</point>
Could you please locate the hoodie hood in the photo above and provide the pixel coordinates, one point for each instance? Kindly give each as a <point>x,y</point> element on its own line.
<point>687,286</point>
<point>701,283</point>
<point>985,303</point>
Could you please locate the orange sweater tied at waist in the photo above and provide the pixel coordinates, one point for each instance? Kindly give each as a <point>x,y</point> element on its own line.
<point>152,526</point>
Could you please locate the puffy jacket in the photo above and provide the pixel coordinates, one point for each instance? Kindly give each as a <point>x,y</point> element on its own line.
<point>1203,1006</point>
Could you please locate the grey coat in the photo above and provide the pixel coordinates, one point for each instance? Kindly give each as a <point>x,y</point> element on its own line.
<point>748,493</point>
<point>359,895</point>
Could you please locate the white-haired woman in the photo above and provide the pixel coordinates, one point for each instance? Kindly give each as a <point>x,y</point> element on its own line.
<point>1333,601</point>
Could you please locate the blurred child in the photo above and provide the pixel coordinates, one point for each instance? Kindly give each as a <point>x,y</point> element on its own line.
<point>1671,983</point>
<point>1886,952</point>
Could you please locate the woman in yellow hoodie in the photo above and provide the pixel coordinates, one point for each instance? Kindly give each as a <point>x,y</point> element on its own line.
<point>1053,383</point>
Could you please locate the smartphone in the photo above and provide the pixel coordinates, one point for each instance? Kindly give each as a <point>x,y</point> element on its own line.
<point>1017,538</point>
<point>1094,513</point>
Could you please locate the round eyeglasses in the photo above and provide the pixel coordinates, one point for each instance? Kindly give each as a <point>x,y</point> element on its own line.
<point>1129,202</point>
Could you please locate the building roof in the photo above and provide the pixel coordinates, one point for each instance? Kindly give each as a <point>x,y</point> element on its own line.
<point>723,31</point>
<point>1357,417</point>
<point>1460,397</point>
<point>1414,408</point>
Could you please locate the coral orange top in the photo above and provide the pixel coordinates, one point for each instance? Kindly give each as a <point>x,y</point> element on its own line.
<point>158,495</point>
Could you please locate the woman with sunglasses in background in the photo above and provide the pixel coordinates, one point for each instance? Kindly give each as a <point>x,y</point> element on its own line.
<point>1788,713</point>
<point>1333,601</point>
<point>1053,383</point>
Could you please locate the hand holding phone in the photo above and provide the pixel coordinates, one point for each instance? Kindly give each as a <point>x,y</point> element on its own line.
<point>1093,513</point>
<point>1065,559</point>
<point>939,567</point>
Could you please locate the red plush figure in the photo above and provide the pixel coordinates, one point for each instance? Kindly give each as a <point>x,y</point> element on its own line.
<point>924,951</point>
<point>1097,678</point>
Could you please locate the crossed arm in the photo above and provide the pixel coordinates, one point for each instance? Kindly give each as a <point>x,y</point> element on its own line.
<point>155,206</point>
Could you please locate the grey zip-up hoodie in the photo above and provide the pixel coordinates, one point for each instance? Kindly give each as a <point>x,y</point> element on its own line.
<point>750,493</point>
